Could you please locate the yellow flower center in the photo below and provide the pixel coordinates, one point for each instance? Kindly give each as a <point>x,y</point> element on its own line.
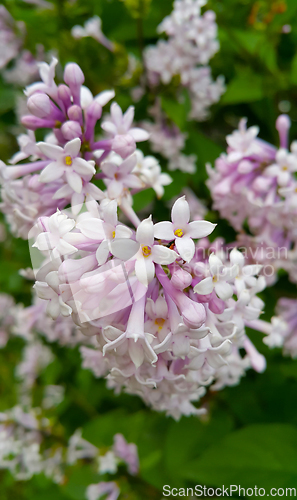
<point>68,161</point>
<point>214,278</point>
<point>113,234</point>
<point>179,233</point>
<point>160,322</point>
<point>146,251</point>
<point>285,168</point>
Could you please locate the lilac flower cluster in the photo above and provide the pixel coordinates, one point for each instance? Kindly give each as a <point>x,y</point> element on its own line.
<point>11,34</point>
<point>192,41</point>
<point>25,64</point>
<point>64,164</point>
<point>163,316</point>
<point>31,441</point>
<point>167,140</point>
<point>255,182</point>
<point>24,451</point>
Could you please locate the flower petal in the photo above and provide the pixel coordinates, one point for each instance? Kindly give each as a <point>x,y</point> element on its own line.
<point>83,167</point>
<point>223,290</point>
<point>139,134</point>
<point>123,248</point>
<point>74,181</point>
<point>51,151</point>
<point>200,228</point>
<point>92,228</point>
<point>205,286</point>
<point>123,232</point>
<point>180,213</point>
<point>104,97</point>
<point>72,148</point>
<point>163,255</point>
<point>145,270</point>
<point>102,252</point>
<point>185,247</point>
<point>51,173</point>
<point>145,232</point>
<point>164,231</point>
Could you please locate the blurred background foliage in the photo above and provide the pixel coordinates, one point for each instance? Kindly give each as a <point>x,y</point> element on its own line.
<point>250,434</point>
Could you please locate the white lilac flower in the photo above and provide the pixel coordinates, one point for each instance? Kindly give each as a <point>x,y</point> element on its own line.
<point>47,74</point>
<point>218,280</point>
<point>283,168</point>
<point>92,28</point>
<point>55,230</point>
<point>119,127</point>
<point>100,490</point>
<point>108,231</point>
<point>118,175</point>
<point>79,448</point>
<point>150,253</point>
<point>66,161</point>
<point>149,171</point>
<point>108,463</point>
<point>246,276</point>
<point>242,141</point>
<point>181,230</point>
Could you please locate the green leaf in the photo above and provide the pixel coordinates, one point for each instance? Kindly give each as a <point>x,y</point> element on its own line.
<point>191,437</point>
<point>79,480</point>
<point>294,70</point>
<point>143,199</point>
<point>177,111</point>
<point>245,87</point>
<point>7,100</point>
<point>262,455</point>
<point>248,40</point>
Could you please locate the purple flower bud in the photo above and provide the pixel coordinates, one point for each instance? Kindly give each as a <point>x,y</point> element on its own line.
<point>181,279</point>
<point>71,130</point>
<point>93,114</point>
<point>39,105</point>
<point>283,125</point>
<point>74,77</point>
<point>192,312</point>
<point>64,94</point>
<point>75,114</point>
<point>123,145</point>
<point>216,305</point>
<point>33,122</point>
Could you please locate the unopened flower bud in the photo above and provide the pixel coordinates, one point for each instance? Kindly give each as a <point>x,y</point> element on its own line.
<point>93,113</point>
<point>75,113</point>
<point>39,105</point>
<point>74,77</point>
<point>181,279</point>
<point>71,130</point>
<point>64,94</point>
<point>123,145</point>
<point>33,122</point>
<point>283,125</point>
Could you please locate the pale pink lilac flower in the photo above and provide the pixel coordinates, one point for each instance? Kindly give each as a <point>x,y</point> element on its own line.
<point>181,230</point>
<point>92,28</point>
